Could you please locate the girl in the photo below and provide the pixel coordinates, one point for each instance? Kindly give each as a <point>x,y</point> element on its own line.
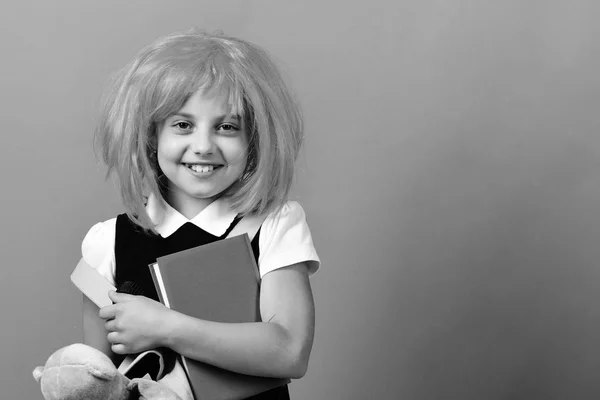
<point>201,130</point>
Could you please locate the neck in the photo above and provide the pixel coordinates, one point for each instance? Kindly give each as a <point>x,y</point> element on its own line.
<point>189,207</point>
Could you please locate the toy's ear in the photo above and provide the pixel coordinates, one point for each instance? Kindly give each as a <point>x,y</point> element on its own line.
<point>105,375</point>
<point>37,373</point>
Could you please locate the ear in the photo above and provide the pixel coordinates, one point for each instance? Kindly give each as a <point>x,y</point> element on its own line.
<point>104,375</point>
<point>37,373</point>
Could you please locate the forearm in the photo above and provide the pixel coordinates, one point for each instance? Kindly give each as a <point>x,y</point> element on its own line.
<point>259,348</point>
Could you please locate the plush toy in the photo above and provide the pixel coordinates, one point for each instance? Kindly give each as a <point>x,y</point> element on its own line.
<point>79,372</point>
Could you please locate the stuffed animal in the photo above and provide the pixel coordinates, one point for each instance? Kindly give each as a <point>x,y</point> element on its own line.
<point>79,372</point>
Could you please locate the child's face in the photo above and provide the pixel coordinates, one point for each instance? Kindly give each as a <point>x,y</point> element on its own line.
<point>202,151</point>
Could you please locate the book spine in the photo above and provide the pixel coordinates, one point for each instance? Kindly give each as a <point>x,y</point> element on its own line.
<point>158,283</point>
<point>253,260</point>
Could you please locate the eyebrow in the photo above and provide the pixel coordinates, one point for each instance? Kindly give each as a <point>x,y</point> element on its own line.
<point>219,117</point>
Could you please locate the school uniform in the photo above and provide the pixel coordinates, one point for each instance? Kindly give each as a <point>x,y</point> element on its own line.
<point>121,252</point>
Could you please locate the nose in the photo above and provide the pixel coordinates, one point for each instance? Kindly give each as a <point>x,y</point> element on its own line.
<point>202,140</point>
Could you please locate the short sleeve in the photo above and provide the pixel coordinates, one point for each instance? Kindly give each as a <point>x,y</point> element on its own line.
<point>98,248</point>
<point>285,240</point>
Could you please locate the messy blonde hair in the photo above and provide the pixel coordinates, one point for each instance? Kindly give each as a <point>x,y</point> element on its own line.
<point>159,81</point>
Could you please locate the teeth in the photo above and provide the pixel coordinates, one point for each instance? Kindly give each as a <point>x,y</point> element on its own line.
<point>201,168</point>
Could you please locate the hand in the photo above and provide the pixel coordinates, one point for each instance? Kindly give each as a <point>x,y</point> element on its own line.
<point>134,323</point>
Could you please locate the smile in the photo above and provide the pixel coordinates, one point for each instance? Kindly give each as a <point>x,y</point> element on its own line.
<point>202,168</point>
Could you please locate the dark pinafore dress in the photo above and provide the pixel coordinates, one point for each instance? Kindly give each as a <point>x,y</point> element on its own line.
<point>135,250</point>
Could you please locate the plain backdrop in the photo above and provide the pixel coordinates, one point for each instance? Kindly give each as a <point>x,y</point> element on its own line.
<point>450,177</point>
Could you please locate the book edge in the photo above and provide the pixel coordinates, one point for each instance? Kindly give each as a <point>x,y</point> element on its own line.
<point>253,258</point>
<point>92,284</point>
<point>219,243</point>
<point>159,283</point>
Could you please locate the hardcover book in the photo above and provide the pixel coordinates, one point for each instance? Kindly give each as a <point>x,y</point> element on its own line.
<point>217,282</point>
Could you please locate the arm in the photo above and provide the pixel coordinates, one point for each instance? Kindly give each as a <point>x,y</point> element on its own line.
<point>97,249</point>
<point>94,333</point>
<point>279,346</point>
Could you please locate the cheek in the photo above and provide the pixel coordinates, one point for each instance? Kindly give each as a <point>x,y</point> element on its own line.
<point>242,167</point>
<point>243,158</point>
<point>160,160</point>
<point>235,152</point>
<point>168,150</point>
<point>167,160</point>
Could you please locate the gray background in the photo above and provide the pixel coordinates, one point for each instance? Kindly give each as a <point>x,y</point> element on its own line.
<point>450,177</point>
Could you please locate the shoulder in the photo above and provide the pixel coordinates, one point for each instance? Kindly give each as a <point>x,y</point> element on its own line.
<point>97,247</point>
<point>291,213</point>
<point>290,219</point>
<point>101,230</point>
<point>285,239</point>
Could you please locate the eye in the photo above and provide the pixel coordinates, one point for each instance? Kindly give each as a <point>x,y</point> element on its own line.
<point>183,126</point>
<point>227,127</point>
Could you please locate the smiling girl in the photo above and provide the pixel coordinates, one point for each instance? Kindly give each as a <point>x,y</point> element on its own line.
<point>202,131</point>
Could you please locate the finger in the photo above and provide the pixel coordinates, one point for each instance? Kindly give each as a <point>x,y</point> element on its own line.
<point>113,337</point>
<point>118,297</point>
<point>118,348</point>
<point>108,312</point>
<point>111,325</point>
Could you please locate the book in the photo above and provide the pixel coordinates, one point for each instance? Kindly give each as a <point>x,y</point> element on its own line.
<point>217,282</point>
<point>89,281</point>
